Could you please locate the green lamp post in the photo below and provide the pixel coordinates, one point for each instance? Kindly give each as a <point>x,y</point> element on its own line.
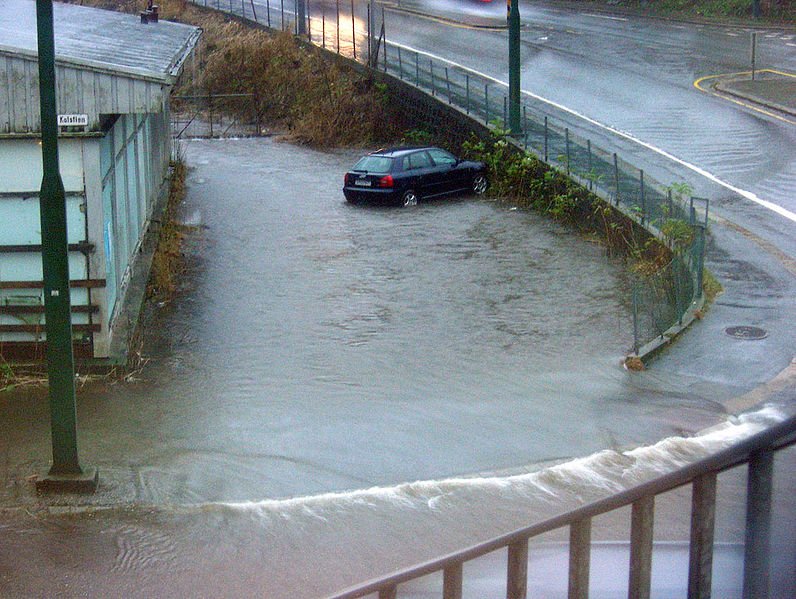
<point>513,10</point>
<point>65,474</point>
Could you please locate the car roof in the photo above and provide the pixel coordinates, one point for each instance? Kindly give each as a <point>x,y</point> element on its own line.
<point>401,151</point>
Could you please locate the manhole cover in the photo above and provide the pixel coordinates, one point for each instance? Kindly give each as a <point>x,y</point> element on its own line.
<point>746,332</point>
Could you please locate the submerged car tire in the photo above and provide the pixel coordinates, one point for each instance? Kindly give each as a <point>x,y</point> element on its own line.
<point>409,198</point>
<point>479,184</point>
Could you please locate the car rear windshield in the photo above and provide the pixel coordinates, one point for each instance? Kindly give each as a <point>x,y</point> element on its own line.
<point>374,164</point>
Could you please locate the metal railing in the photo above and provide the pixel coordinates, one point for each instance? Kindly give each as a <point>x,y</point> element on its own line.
<point>660,300</point>
<point>208,115</point>
<point>756,451</point>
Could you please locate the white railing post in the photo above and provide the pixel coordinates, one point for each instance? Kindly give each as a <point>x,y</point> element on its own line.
<point>758,526</point>
<point>517,570</point>
<point>703,516</point>
<point>641,526</point>
<point>579,559</point>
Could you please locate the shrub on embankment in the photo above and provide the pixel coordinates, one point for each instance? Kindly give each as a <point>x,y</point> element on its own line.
<point>771,10</point>
<point>293,87</point>
<point>522,179</point>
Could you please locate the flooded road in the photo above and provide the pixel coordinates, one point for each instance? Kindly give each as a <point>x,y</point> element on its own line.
<point>316,348</point>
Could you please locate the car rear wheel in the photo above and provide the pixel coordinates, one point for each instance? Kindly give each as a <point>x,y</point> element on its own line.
<point>479,184</point>
<point>409,198</point>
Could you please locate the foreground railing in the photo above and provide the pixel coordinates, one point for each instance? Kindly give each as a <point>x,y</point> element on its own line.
<point>756,451</point>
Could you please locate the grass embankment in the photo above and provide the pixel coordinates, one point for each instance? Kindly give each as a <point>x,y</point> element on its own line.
<point>167,260</point>
<point>772,11</point>
<point>527,182</point>
<point>294,88</point>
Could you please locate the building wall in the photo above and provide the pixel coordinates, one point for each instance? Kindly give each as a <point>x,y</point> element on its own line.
<point>134,159</point>
<point>112,183</point>
<point>80,90</point>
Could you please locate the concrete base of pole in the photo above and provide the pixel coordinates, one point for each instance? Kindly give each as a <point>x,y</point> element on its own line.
<point>86,482</point>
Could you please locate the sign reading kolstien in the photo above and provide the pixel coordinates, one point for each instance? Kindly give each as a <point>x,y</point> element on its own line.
<point>72,120</point>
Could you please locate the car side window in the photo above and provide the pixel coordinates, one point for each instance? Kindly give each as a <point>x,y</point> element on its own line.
<point>442,158</point>
<point>418,160</point>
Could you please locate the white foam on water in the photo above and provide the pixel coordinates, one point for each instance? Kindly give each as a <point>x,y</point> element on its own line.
<point>574,482</point>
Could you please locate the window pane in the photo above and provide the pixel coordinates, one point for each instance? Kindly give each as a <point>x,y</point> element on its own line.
<point>374,164</point>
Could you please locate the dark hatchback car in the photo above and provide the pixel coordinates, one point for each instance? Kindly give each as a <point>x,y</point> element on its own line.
<point>403,176</point>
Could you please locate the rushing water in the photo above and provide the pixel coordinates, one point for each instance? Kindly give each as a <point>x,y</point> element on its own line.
<point>320,357</point>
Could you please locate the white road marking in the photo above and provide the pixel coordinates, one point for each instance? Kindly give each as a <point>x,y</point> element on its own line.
<point>605,17</point>
<point>791,216</point>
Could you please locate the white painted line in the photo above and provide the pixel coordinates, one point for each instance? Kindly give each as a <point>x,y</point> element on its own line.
<point>605,17</point>
<point>791,216</point>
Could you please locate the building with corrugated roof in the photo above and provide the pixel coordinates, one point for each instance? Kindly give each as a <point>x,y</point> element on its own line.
<point>114,76</point>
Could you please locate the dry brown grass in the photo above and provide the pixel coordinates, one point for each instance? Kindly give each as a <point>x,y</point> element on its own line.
<point>312,97</point>
<point>167,261</point>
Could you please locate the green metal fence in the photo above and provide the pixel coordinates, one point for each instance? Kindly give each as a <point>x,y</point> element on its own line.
<point>661,299</point>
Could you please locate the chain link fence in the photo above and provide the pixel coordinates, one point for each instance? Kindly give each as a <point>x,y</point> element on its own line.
<point>660,299</point>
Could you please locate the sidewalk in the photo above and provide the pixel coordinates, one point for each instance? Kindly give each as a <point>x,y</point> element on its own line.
<point>771,89</point>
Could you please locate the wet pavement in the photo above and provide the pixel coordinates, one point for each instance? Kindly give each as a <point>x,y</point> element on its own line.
<point>317,349</point>
<point>317,346</point>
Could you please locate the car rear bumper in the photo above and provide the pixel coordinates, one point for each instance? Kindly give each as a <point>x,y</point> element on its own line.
<point>370,194</point>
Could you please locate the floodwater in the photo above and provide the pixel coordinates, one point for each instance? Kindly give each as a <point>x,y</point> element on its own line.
<point>317,350</point>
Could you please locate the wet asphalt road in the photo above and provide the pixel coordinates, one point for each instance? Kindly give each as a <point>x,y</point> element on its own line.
<point>636,76</point>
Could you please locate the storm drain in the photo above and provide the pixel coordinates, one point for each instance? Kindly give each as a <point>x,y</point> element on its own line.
<point>746,332</point>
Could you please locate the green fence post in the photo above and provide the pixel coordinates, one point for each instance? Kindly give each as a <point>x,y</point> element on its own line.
<point>431,70</point>
<point>486,103</point>
<point>635,317</point>
<point>643,198</point>
<point>524,129</point>
<point>512,123</point>
<point>545,139</point>
<point>588,147</point>
<point>616,177</point>
<point>467,88</point>
<point>670,202</point>
<point>700,258</point>
<point>505,112</point>
<point>566,140</point>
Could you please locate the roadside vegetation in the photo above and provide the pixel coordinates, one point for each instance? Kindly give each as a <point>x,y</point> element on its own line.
<point>772,11</point>
<point>294,88</point>
<point>167,260</point>
<point>525,181</point>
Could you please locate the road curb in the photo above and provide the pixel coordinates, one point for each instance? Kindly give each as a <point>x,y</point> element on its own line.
<point>497,26</point>
<point>674,18</point>
<point>723,87</point>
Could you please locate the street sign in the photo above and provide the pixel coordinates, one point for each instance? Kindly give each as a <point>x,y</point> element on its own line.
<point>72,120</point>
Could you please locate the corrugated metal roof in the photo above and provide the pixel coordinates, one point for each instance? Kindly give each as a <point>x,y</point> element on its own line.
<point>100,39</point>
